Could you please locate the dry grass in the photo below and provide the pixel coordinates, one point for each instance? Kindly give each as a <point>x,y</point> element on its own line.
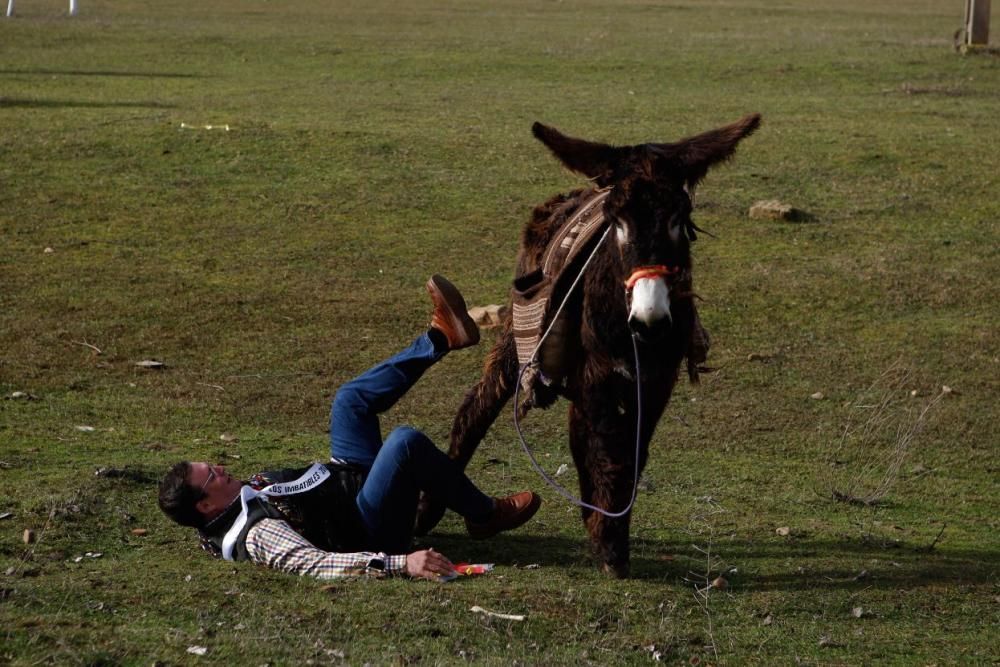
<point>375,143</point>
<point>882,425</point>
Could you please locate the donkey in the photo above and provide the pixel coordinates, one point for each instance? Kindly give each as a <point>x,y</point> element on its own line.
<point>638,285</point>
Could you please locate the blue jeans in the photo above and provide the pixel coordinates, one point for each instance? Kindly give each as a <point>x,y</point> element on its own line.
<point>407,462</point>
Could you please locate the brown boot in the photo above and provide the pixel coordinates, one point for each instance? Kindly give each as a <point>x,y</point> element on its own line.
<point>509,513</point>
<point>451,316</point>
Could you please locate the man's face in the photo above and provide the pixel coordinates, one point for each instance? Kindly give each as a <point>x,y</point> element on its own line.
<point>219,488</point>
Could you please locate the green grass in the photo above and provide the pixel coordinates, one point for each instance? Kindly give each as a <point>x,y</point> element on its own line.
<point>374,143</point>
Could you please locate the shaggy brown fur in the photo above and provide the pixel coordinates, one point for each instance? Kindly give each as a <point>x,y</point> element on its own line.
<point>650,201</point>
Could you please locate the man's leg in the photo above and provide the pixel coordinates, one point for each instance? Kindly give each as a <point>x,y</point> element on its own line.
<point>355,435</point>
<point>407,464</point>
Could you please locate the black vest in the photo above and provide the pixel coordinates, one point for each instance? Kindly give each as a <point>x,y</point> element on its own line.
<point>326,515</point>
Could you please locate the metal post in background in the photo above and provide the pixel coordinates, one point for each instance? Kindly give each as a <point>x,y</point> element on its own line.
<point>977,22</point>
<point>10,8</point>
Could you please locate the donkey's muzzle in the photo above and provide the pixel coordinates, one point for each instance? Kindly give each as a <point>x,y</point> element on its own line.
<point>649,332</point>
<point>649,306</point>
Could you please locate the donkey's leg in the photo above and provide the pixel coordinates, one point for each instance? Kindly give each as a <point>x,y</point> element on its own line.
<point>602,430</point>
<point>606,469</point>
<point>479,409</point>
<point>483,403</point>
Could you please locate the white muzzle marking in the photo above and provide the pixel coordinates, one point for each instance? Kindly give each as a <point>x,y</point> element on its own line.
<point>650,301</point>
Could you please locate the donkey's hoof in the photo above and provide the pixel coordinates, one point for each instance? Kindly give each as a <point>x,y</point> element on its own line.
<point>429,514</point>
<point>616,570</point>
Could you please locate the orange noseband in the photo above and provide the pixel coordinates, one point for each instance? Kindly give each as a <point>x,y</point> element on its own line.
<point>655,271</point>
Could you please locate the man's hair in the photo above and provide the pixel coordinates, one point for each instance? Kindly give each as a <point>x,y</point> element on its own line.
<point>178,498</point>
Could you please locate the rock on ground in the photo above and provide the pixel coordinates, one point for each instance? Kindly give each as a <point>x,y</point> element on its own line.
<point>773,209</point>
<point>487,317</point>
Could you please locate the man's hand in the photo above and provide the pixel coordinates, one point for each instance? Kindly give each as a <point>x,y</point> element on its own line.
<point>428,564</point>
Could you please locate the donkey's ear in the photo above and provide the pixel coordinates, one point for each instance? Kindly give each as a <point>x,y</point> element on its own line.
<point>595,161</point>
<point>696,155</point>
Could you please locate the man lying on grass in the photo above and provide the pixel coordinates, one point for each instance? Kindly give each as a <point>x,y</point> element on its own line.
<point>355,514</point>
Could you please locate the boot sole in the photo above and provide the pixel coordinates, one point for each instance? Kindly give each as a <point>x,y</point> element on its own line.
<point>442,288</point>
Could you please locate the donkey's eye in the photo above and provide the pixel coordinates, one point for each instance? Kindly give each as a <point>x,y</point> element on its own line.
<point>621,233</point>
<point>674,231</point>
<point>676,225</point>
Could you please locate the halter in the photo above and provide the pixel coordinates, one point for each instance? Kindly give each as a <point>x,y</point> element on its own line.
<point>651,271</point>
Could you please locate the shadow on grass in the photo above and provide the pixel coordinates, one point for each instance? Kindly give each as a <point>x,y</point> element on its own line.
<point>77,72</point>
<point>803,565</point>
<point>850,564</point>
<point>767,565</point>
<point>12,102</point>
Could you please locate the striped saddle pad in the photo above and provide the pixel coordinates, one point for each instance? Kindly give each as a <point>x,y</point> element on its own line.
<point>534,299</point>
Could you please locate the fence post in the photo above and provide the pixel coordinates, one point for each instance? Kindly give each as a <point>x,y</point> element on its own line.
<point>977,22</point>
<point>10,8</point>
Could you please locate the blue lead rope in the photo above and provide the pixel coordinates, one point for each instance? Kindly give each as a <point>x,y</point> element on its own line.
<point>561,490</point>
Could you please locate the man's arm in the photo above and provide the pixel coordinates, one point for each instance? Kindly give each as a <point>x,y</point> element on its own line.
<point>274,543</point>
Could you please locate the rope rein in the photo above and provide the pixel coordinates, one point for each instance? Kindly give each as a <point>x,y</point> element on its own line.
<point>561,490</point>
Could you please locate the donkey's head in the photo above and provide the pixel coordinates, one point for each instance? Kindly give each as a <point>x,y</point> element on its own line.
<point>652,186</point>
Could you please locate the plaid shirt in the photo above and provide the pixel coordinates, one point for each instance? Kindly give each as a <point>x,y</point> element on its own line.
<point>272,542</point>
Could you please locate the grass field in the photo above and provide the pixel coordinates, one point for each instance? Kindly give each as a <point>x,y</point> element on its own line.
<point>373,143</point>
